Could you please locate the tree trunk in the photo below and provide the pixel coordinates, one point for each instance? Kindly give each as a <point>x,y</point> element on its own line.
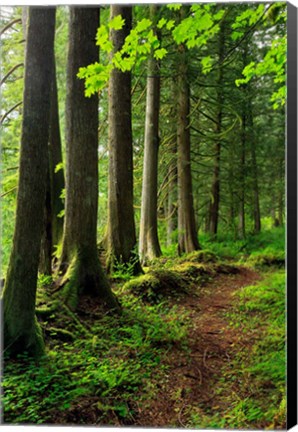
<point>149,247</point>
<point>172,195</point>
<point>45,259</point>
<point>187,235</point>
<point>256,200</point>
<point>53,223</point>
<point>215,188</point>
<point>79,252</point>
<point>21,331</point>
<point>242,163</point>
<point>121,225</point>
<point>57,182</point>
<point>241,214</point>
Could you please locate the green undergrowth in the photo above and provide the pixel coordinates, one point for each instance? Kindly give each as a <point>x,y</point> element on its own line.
<point>257,372</point>
<point>175,277</point>
<point>106,366</point>
<point>270,241</point>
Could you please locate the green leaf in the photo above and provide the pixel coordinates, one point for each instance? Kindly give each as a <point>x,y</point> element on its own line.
<point>170,24</point>
<point>236,35</point>
<point>161,23</point>
<point>117,23</point>
<point>174,6</point>
<point>59,167</point>
<point>143,25</point>
<point>207,64</point>
<point>160,53</point>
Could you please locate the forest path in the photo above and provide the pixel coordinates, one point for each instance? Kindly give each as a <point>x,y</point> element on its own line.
<point>193,376</point>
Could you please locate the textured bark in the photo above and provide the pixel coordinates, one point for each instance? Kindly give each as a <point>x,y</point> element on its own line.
<point>187,235</point>
<point>241,211</point>
<point>53,224</point>
<point>21,331</point>
<point>215,188</point>
<point>57,182</point>
<point>255,184</point>
<point>149,247</point>
<point>79,251</point>
<point>242,161</point>
<point>121,225</point>
<point>172,196</point>
<point>45,259</point>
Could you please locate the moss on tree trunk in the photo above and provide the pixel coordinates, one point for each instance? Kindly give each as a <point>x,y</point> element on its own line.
<point>79,249</point>
<point>21,331</point>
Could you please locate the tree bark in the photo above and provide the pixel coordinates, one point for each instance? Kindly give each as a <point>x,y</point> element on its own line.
<point>121,237</point>
<point>21,331</point>
<point>242,162</point>
<point>172,195</point>
<point>149,247</point>
<point>79,252</point>
<point>53,223</point>
<point>255,184</point>
<point>187,235</point>
<point>215,188</point>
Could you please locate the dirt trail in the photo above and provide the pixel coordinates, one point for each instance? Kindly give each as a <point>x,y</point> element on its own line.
<point>193,375</point>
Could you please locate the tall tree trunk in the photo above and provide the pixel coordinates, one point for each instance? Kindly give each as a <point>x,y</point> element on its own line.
<point>256,199</point>
<point>242,162</point>
<point>21,331</point>
<point>172,194</point>
<point>187,235</point>
<point>149,247</point>
<point>79,252</point>
<point>57,182</point>
<point>121,239</point>
<point>241,214</point>
<point>53,223</point>
<point>215,188</point>
<point>45,258</point>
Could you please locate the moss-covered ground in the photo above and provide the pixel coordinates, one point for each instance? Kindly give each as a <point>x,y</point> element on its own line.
<point>200,343</point>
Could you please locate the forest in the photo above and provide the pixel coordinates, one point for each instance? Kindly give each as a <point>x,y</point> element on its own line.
<point>143,215</point>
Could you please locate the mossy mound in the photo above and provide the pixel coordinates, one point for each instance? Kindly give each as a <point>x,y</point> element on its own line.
<point>157,286</point>
<point>198,273</point>
<point>201,256</point>
<point>267,258</point>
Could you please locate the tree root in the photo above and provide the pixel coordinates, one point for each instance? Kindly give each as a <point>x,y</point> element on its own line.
<point>61,334</point>
<point>46,311</point>
<point>79,324</point>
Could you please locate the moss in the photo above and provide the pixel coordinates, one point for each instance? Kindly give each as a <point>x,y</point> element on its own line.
<point>198,273</point>
<point>85,276</point>
<point>157,285</point>
<point>266,260</point>
<point>201,256</point>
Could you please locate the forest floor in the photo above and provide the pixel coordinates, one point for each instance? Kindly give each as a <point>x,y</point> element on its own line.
<point>193,376</point>
<point>203,347</point>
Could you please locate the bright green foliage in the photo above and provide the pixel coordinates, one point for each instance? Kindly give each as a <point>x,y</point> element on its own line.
<point>274,61</point>
<point>174,6</point>
<point>194,30</point>
<point>135,50</point>
<point>272,64</point>
<point>197,28</point>
<point>248,18</point>
<point>207,63</point>
<point>116,23</point>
